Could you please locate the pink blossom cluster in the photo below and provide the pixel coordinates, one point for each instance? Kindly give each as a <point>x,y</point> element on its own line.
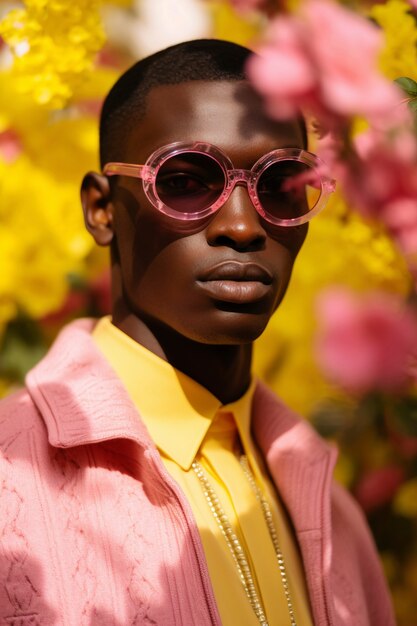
<point>324,59</point>
<point>380,180</point>
<point>378,486</point>
<point>365,344</point>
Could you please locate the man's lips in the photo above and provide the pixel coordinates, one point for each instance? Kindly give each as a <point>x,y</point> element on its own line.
<point>236,282</point>
<point>237,271</point>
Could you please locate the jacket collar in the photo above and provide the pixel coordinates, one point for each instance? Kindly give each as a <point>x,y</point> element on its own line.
<point>301,463</point>
<point>80,397</point>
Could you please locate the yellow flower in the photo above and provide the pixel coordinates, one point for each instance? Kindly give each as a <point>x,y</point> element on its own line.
<point>8,308</point>
<point>45,238</point>
<point>230,25</point>
<point>5,387</point>
<point>405,502</point>
<point>404,605</point>
<point>390,565</point>
<point>42,235</point>
<point>399,56</point>
<point>344,470</point>
<point>54,45</point>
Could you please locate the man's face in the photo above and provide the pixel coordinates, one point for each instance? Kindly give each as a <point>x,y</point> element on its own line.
<point>218,280</point>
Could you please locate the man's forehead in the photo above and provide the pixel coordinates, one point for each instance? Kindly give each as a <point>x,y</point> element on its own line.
<point>218,112</point>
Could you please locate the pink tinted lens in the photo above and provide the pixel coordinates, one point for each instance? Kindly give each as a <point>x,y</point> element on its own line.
<point>288,189</point>
<point>189,182</point>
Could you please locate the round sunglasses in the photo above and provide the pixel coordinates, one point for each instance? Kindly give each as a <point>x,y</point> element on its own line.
<point>190,181</point>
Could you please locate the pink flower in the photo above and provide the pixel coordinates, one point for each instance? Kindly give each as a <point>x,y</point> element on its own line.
<point>91,107</point>
<point>247,5</point>
<point>380,180</point>
<point>283,71</point>
<point>378,486</point>
<point>10,145</point>
<point>345,50</point>
<point>375,181</point>
<point>400,216</point>
<point>365,344</point>
<point>74,304</point>
<point>325,60</point>
<point>403,444</point>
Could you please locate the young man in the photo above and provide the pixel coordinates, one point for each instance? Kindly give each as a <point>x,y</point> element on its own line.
<point>145,477</point>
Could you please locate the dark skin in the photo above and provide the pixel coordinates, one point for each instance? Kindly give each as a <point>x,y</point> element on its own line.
<point>167,291</point>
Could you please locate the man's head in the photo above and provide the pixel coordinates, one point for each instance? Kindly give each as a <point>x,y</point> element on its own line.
<point>215,280</point>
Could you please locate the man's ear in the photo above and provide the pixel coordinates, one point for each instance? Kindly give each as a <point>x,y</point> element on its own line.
<point>97,207</point>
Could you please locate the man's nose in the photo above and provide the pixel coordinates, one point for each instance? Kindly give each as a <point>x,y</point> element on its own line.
<point>237,224</point>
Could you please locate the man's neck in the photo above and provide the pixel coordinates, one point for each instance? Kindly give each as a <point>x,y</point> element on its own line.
<point>222,369</point>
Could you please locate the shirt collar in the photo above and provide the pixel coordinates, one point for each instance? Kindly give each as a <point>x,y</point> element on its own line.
<point>176,410</point>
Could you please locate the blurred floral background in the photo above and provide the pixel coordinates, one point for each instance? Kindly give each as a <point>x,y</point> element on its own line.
<point>342,348</point>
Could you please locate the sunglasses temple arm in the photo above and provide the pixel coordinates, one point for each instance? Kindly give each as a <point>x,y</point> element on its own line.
<point>124,169</point>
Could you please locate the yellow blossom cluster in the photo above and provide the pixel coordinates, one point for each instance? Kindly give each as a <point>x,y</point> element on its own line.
<point>42,236</point>
<point>405,502</point>
<point>42,239</point>
<point>54,43</point>
<point>241,28</point>
<point>399,56</point>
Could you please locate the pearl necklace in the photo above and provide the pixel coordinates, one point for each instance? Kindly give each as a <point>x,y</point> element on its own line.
<point>236,548</point>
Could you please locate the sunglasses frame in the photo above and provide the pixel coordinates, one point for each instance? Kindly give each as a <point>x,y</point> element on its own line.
<point>232,176</point>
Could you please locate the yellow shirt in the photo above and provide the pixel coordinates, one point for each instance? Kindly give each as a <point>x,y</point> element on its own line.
<point>187,422</point>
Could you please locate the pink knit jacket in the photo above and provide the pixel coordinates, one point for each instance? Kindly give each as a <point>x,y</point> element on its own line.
<point>94,532</point>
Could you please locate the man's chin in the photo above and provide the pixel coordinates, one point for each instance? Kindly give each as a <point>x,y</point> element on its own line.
<point>235,328</point>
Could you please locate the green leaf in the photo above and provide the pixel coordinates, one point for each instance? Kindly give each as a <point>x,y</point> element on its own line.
<point>408,85</point>
<point>404,414</point>
<point>22,347</point>
<point>76,282</point>
<point>331,417</point>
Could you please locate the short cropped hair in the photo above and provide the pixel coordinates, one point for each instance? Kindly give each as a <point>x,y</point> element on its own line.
<point>201,59</point>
